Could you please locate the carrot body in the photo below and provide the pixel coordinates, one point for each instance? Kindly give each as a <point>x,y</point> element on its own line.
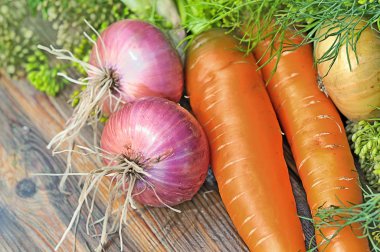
<point>229,99</point>
<point>317,138</point>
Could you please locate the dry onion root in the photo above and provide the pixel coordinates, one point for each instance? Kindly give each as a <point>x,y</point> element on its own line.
<point>124,175</point>
<point>155,153</point>
<point>99,84</point>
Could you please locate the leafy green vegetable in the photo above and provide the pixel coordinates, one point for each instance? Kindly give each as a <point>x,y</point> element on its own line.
<point>365,137</point>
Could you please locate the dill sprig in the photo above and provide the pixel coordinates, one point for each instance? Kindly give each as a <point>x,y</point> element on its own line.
<point>198,16</point>
<point>367,215</point>
<point>270,19</point>
<point>340,18</point>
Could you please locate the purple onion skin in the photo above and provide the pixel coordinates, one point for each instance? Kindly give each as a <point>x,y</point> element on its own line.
<point>143,60</point>
<point>149,128</point>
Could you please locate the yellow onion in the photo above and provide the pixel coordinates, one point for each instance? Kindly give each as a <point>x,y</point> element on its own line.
<point>355,91</point>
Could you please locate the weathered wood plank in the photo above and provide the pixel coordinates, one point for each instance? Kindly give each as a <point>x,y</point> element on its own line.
<point>36,219</point>
<point>25,223</point>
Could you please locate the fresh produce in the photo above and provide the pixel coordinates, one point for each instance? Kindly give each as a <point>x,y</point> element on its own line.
<point>166,142</point>
<point>229,99</point>
<point>270,20</point>
<point>307,16</point>
<point>365,136</point>
<point>352,80</point>
<point>67,19</point>
<point>130,60</point>
<point>155,153</point>
<point>317,139</point>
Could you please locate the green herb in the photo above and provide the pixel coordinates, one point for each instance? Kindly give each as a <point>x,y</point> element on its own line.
<point>103,119</point>
<point>365,137</point>
<point>341,17</point>
<point>271,18</point>
<point>43,76</point>
<point>16,36</point>
<point>366,214</point>
<point>74,97</point>
<point>147,10</point>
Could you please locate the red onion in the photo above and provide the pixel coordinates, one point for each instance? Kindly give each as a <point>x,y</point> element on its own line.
<point>166,142</point>
<point>155,152</point>
<point>141,59</point>
<point>130,60</point>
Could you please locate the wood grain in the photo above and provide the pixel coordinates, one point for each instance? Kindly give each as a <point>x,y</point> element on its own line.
<point>34,214</point>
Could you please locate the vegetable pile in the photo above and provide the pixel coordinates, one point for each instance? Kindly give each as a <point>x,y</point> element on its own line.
<point>252,70</point>
<point>122,67</point>
<point>345,37</point>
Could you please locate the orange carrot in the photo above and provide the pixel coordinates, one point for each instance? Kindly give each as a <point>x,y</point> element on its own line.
<point>229,99</point>
<point>317,138</point>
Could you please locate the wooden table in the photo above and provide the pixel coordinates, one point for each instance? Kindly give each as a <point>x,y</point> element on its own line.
<point>34,214</point>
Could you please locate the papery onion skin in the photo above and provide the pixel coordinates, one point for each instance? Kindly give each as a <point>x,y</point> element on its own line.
<point>142,60</point>
<point>155,127</point>
<point>355,92</point>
